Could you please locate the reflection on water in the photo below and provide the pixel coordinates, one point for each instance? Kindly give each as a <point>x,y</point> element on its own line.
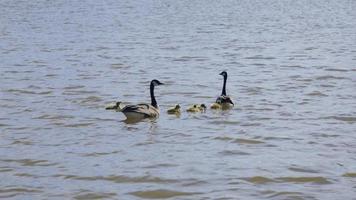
<point>291,68</point>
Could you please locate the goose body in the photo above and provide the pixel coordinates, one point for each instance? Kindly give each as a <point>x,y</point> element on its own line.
<point>174,110</point>
<point>223,101</point>
<point>143,110</point>
<point>140,111</point>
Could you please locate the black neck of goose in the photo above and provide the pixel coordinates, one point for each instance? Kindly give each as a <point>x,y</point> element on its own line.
<point>153,99</point>
<point>224,87</point>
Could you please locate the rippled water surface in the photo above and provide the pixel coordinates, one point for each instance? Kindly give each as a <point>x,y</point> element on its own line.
<point>292,75</point>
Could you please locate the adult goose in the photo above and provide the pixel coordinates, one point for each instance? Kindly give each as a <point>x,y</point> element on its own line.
<point>144,110</point>
<point>223,101</point>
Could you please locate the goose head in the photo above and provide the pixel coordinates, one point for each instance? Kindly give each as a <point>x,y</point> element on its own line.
<point>156,82</point>
<point>223,73</point>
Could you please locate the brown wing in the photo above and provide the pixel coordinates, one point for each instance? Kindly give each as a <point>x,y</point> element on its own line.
<point>145,109</point>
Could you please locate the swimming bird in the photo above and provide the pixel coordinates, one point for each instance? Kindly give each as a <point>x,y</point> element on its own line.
<point>115,106</point>
<point>215,106</point>
<point>223,101</point>
<point>174,110</point>
<point>197,108</point>
<point>144,110</point>
<point>202,107</point>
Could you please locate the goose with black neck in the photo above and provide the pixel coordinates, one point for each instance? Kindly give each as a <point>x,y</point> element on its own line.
<point>223,101</point>
<point>141,111</point>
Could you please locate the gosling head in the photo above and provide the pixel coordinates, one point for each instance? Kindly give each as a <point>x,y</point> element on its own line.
<point>117,105</point>
<point>177,107</point>
<point>114,107</point>
<point>203,106</point>
<point>156,82</point>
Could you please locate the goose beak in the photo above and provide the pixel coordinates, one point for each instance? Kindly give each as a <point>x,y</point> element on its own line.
<point>231,102</point>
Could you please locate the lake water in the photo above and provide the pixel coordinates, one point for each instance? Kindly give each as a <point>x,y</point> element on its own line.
<point>292,75</point>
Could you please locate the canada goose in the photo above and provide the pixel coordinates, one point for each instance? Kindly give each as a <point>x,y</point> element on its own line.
<point>115,106</point>
<point>174,110</point>
<point>223,100</point>
<point>144,110</point>
<point>197,108</point>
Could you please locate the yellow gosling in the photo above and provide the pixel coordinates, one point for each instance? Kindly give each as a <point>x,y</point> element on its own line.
<point>215,106</point>
<point>193,109</point>
<point>115,106</point>
<point>175,110</point>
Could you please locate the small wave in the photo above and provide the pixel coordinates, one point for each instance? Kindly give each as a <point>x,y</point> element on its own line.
<point>350,174</point>
<point>47,116</point>
<point>119,66</point>
<point>160,194</point>
<point>317,93</point>
<point>5,169</point>
<point>224,138</point>
<point>233,152</point>
<point>163,165</point>
<point>349,119</point>
<point>260,57</point>
<point>22,142</point>
<point>120,179</point>
<point>336,70</point>
<point>276,138</point>
<point>238,140</point>
<point>97,154</point>
<point>31,162</point>
<point>316,180</point>
<point>26,175</point>
<point>247,141</point>
<point>286,194</point>
<point>2,125</point>
<point>225,122</point>
<point>72,87</point>
<point>258,64</point>
<point>329,77</point>
<point>76,125</point>
<point>21,91</point>
<point>14,191</point>
<point>189,58</point>
<point>90,99</point>
<point>78,92</point>
<point>258,180</point>
<point>296,169</point>
<point>94,195</point>
<point>293,66</point>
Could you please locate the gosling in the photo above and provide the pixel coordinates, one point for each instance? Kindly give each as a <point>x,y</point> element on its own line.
<point>175,110</point>
<point>197,108</point>
<point>115,106</point>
